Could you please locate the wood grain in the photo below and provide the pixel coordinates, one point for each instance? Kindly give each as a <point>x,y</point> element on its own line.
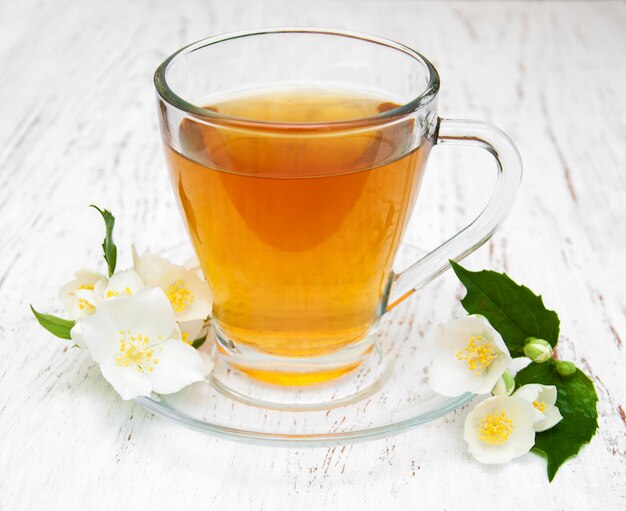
<point>78,125</point>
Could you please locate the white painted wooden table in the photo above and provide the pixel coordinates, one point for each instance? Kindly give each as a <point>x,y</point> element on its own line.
<point>77,125</point>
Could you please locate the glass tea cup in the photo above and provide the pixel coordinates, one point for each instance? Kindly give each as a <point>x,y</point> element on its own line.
<point>296,156</point>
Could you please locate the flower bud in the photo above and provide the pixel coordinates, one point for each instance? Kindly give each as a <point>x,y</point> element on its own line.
<point>537,350</point>
<point>505,385</point>
<point>565,369</point>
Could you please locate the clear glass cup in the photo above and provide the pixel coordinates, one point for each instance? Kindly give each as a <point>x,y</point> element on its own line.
<point>296,156</point>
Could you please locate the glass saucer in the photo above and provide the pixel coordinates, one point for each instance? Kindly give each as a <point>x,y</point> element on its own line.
<point>401,400</point>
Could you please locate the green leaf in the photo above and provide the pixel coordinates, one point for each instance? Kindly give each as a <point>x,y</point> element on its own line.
<point>576,400</point>
<point>513,310</point>
<point>109,248</point>
<point>53,324</point>
<point>199,341</point>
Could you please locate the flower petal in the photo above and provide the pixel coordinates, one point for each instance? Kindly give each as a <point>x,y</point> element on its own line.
<point>207,362</point>
<point>87,276</point>
<point>547,394</point>
<point>150,267</point>
<point>158,271</point>
<point>452,377</point>
<point>100,336</point>
<point>201,304</point>
<point>528,392</point>
<point>127,381</point>
<point>66,295</point>
<point>100,288</point>
<point>147,312</point>
<point>85,279</point>
<point>178,365</point>
<point>76,335</point>
<point>190,330</point>
<point>494,337</point>
<point>552,417</point>
<point>124,282</point>
<point>199,288</point>
<point>457,332</point>
<point>492,374</point>
<point>192,263</point>
<point>198,309</point>
<point>89,296</point>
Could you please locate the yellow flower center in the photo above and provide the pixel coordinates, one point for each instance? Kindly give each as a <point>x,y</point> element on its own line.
<point>135,349</point>
<point>186,338</point>
<point>85,305</point>
<point>179,296</point>
<point>478,353</point>
<point>540,405</point>
<point>112,294</point>
<point>82,303</point>
<point>495,429</point>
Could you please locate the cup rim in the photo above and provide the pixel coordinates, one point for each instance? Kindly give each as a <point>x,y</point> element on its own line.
<point>169,96</point>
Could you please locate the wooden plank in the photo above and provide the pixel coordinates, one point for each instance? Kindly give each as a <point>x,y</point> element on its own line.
<point>79,126</point>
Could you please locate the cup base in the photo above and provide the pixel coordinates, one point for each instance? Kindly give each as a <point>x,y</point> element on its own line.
<point>299,383</point>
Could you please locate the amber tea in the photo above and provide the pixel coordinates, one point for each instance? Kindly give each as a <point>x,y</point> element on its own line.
<point>296,230</point>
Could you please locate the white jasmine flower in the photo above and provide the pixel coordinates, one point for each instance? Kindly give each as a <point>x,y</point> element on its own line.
<point>126,282</point>
<point>500,429</point>
<point>543,400</point>
<point>78,295</point>
<point>83,294</point>
<point>475,357</point>
<point>137,343</point>
<point>188,294</point>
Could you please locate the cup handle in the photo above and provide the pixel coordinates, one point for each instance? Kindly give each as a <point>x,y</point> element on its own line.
<point>433,264</point>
